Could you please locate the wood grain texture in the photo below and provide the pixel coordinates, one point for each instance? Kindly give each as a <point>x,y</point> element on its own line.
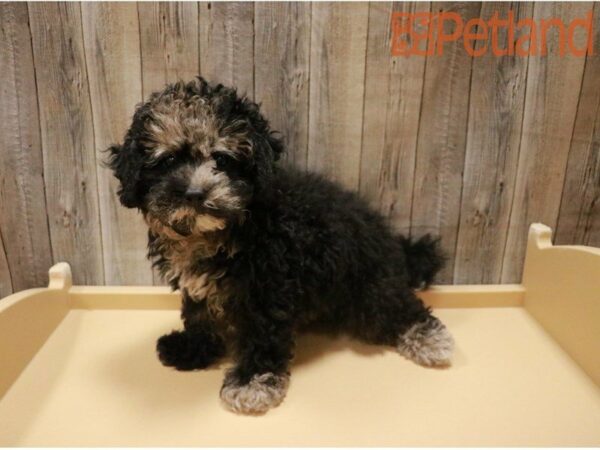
<point>6,287</point>
<point>227,44</point>
<point>169,43</point>
<point>579,216</point>
<point>548,120</point>
<point>393,90</point>
<point>22,198</point>
<point>442,140</point>
<point>337,73</point>
<point>112,51</point>
<point>495,116</point>
<point>472,149</point>
<point>67,139</point>
<point>281,64</point>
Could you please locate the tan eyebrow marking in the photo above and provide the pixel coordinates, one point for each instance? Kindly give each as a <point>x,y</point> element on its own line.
<point>180,120</point>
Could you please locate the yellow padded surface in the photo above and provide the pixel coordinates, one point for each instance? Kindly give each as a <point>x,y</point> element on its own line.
<point>97,381</point>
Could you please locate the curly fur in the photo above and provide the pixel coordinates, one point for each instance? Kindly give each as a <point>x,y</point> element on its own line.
<point>261,251</point>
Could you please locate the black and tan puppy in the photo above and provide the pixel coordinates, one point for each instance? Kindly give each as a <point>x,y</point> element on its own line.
<point>260,251</point>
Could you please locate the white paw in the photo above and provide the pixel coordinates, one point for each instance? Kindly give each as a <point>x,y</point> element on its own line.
<point>427,343</point>
<point>262,392</point>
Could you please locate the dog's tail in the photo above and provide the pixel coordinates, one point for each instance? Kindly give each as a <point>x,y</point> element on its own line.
<point>424,259</point>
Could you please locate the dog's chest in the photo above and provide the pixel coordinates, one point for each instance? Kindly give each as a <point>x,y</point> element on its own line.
<point>201,278</point>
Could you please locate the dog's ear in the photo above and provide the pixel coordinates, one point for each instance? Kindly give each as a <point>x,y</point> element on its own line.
<point>126,164</point>
<point>276,144</point>
<point>267,149</point>
<point>267,145</point>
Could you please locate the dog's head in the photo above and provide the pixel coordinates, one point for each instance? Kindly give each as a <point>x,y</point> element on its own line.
<point>194,157</point>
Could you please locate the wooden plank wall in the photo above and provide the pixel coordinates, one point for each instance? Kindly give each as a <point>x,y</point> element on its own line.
<point>472,149</point>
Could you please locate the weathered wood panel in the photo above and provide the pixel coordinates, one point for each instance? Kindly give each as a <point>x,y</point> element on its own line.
<point>337,73</point>
<point>579,217</point>
<point>472,149</point>
<point>227,44</point>
<point>493,139</point>
<point>442,139</point>
<point>23,214</point>
<point>6,287</point>
<point>281,64</point>
<point>169,43</point>
<point>112,50</point>
<point>548,120</point>
<point>67,138</point>
<point>393,90</point>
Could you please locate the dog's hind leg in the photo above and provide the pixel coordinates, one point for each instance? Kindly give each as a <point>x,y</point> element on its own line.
<point>428,343</point>
<point>403,321</point>
<point>196,347</point>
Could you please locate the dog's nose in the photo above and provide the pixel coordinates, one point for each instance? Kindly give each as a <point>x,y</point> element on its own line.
<point>194,194</point>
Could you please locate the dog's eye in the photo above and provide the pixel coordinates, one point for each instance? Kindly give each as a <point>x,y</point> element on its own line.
<point>223,161</point>
<point>169,160</point>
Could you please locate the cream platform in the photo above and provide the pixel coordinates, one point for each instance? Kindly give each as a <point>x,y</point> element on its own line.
<point>77,367</point>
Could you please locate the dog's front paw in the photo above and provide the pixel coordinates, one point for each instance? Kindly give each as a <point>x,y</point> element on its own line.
<point>185,350</point>
<point>262,392</point>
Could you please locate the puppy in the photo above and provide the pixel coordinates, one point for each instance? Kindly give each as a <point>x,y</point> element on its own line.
<point>260,251</point>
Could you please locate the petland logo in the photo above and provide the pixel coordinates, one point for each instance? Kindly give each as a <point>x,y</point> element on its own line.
<point>425,33</point>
